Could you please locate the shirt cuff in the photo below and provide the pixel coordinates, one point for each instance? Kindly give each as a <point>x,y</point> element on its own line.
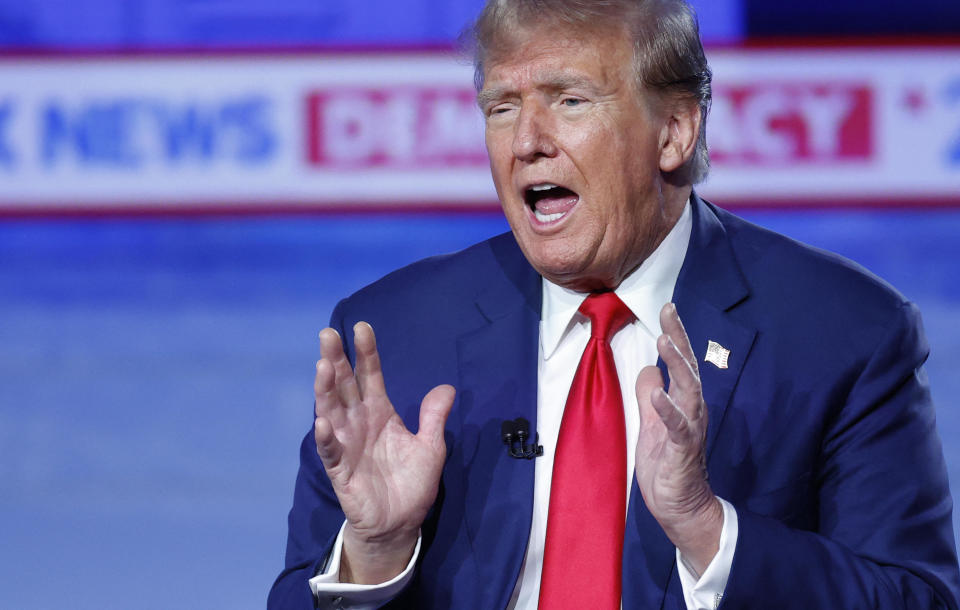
<point>706,592</point>
<point>333,594</point>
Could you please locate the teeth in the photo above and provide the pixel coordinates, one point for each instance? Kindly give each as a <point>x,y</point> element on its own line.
<point>543,187</point>
<point>548,217</point>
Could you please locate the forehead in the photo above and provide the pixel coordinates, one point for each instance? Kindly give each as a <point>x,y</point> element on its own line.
<point>547,53</point>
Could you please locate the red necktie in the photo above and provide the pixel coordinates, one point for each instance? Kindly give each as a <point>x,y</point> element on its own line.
<point>584,545</point>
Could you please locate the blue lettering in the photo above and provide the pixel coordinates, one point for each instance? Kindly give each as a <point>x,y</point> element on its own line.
<point>247,122</point>
<point>7,157</point>
<point>56,131</point>
<point>188,131</point>
<point>111,133</point>
<point>100,133</point>
<point>237,129</point>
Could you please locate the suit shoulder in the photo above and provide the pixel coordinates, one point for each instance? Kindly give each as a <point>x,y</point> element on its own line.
<point>802,283</point>
<point>811,269</point>
<point>445,280</point>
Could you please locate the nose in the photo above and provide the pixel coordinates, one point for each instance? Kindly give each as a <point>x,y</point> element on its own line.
<point>533,134</point>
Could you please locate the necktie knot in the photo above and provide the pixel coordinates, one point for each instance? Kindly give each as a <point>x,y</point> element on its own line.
<point>607,313</point>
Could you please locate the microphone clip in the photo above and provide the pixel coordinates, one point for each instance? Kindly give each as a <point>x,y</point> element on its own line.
<point>515,434</point>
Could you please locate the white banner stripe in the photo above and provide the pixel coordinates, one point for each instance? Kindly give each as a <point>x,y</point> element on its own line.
<point>786,126</point>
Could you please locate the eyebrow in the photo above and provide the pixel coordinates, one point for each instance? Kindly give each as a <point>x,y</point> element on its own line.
<point>487,96</point>
<point>555,83</point>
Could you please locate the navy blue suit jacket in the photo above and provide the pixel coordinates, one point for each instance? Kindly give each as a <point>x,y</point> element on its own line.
<point>821,433</point>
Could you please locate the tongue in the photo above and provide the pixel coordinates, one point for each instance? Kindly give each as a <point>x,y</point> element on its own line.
<point>557,205</point>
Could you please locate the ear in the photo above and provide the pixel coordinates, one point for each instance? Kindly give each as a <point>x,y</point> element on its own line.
<point>678,136</point>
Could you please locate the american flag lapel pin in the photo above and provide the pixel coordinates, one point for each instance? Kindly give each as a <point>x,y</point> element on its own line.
<point>717,354</point>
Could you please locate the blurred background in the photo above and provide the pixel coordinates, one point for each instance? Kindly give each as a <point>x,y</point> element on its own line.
<point>187,187</point>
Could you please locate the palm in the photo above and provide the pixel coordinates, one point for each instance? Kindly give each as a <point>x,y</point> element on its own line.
<point>668,472</point>
<point>385,477</point>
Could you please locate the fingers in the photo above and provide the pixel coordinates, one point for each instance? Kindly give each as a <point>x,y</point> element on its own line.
<point>673,418</point>
<point>673,328</point>
<point>328,447</point>
<point>331,350</point>
<point>434,410</point>
<point>368,372</point>
<point>648,381</point>
<point>327,401</point>
<point>684,379</point>
<point>675,350</point>
<point>655,402</point>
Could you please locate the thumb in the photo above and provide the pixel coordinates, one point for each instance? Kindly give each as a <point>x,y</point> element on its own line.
<point>434,410</point>
<point>648,380</point>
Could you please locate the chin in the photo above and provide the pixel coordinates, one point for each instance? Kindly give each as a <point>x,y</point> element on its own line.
<point>552,259</point>
<point>575,275</point>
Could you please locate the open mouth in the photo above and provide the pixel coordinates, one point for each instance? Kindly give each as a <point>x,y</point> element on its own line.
<point>550,202</point>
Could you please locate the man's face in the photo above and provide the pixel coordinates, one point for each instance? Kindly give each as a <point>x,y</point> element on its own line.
<point>575,155</point>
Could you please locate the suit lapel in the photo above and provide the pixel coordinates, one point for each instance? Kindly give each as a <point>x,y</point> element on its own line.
<point>498,379</point>
<point>709,287</point>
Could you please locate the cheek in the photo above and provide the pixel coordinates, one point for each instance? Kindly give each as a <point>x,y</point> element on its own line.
<point>495,146</point>
<point>498,137</point>
<point>501,163</point>
<point>500,172</point>
<point>589,142</point>
<point>600,155</point>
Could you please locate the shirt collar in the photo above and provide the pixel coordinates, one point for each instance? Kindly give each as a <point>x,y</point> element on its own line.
<point>645,291</point>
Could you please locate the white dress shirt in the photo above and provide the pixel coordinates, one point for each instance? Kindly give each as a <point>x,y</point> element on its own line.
<point>564,333</point>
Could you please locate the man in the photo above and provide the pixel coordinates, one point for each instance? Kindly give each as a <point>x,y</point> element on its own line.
<point>790,461</point>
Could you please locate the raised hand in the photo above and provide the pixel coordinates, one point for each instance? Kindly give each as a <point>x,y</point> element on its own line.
<point>671,463</point>
<point>385,477</point>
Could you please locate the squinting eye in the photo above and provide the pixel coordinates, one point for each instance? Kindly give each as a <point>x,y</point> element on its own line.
<point>570,102</point>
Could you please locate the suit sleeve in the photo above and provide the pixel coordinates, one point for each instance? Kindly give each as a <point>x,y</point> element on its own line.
<point>313,522</point>
<point>883,537</point>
